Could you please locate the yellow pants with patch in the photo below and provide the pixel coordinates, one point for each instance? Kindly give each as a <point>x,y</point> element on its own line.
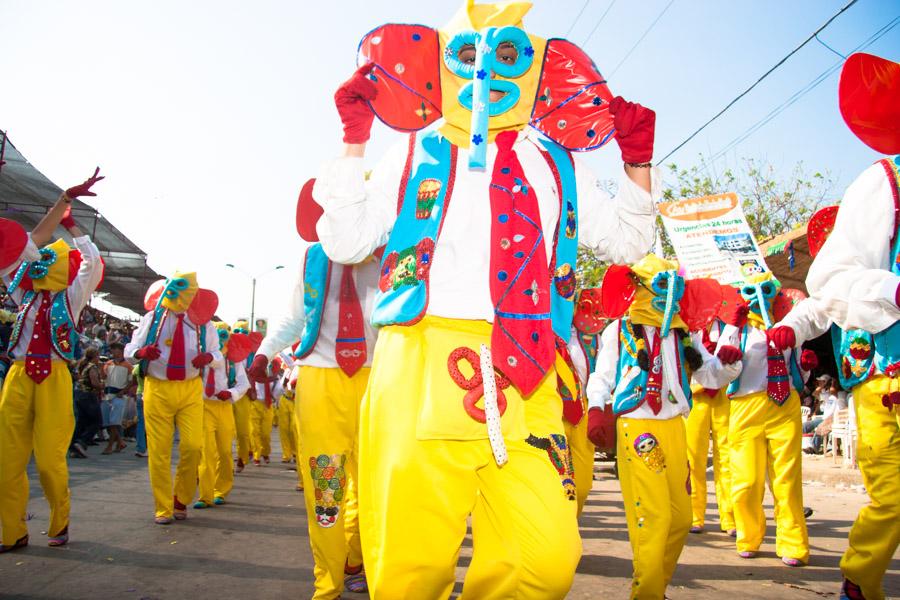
<point>876,532</point>
<point>39,418</point>
<point>261,428</point>
<point>216,469</point>
<point>241,410</point>
<point>426,465</point>
<point>287,429</point>
<point>709,419</point>
<point>653,473</point>
<point>168,404</point>
<point>765,441</point>
<point>327,408</point>
<point>582,451</point>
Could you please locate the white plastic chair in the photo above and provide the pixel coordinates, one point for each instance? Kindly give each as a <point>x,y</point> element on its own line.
<point>840,430</point>
<point>805,411</point>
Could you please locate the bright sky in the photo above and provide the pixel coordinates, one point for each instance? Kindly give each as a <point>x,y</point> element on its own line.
<point>207,116</point>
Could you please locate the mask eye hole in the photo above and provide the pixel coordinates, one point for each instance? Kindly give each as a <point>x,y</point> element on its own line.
<point>748,291</point>
<point>767,289</point>
<point>507,53</point>
<point>466,54</point>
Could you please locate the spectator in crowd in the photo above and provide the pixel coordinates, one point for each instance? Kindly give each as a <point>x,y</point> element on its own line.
<point>100,340</point>
<point>117,372</point>
<point>831,398</point>
<point>140,436</point>
<point>88,387</point>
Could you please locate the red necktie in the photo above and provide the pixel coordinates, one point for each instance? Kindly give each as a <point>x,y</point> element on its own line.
<point>655,377</point>
<point>210,383</point>
<point>522,338</point>
<point>778,386</point>
<point>350,345</point>
<point>37,357</point>
<point>175,367</point>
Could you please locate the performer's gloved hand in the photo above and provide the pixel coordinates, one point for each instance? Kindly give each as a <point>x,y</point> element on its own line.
<point>599,432</point>
<point>635,127</point>
<point>710,347</point>
<point>150,352</point>
<point>257,371</point>
<point>729,355</point>
<point>223,395</point>
<point>67,221</point>
<point>84,189</point>
<point>808,360</point>
<point>351,100</point>
<point>782,337</point>
<point>201,360</point>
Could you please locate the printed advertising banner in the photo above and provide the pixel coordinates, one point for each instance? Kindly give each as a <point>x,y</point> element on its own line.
<point>712,238</point>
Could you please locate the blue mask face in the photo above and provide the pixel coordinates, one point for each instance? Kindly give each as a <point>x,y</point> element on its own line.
<point>500,54</point>
<point>668,289</point>
<point>223,337</point>
<point>760,297</point>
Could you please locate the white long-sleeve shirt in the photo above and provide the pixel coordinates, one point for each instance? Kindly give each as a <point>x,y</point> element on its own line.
<point>78,293</point>
<point>220,374</point>
<point>755,372</point>
<point>808,320</point>
<point>287,330</point>
<point>259,390</point>
<point>157,368</point>
<point>602,383</point>
<point>851,275</point>
<point>30,253</point>
<point>359,216</point>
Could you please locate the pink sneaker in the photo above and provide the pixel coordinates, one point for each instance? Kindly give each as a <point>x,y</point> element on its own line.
<point>60,539</point>
<point>747,554</point>
<point>791,562</point>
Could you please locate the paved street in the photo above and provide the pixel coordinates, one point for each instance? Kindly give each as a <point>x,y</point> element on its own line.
<point>257,547</point>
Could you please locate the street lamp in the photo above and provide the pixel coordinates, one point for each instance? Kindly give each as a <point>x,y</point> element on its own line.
<point>253,278</point>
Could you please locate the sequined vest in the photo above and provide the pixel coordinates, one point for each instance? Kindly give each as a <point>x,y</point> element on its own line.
<point>316,275</point>
<point>63,330</point>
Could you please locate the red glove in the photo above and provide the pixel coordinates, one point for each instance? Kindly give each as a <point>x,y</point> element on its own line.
<point>148,353</point>
<point>710,347</point>
<point>223,395</point>
<point>808,360</point>
<point>635,126</point>
<point>257,371</point>
<point>84,189</point>
<point>897,296</point>
<point>201,360</point>
<point>351,100</point>
<point>67,221</point>
<point>601,428</point>
<point>782,337</point>
<point>729,355</point>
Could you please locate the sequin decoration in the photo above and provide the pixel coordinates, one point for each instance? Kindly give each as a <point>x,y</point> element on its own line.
<point>329,481</point>
<point>646,446</point>
<point>557,449</point>
<point>408,267</point>
<point>426,196</point>
<point>564,280</point>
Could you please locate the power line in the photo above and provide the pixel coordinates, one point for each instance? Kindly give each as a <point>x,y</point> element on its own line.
<point>597,24</point>
<point>641,39</point>
<point>803,91</point>
<point>758,81</point>
<point>578,16</point>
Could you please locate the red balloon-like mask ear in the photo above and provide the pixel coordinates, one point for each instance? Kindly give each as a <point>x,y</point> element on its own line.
<point>785,301</point>
<point>151,298</point>
<point>13,239</point>
<point>256,339</point>
<point>407,74</point>
<point>203,307</point>
<point>820,227</point>
<point>617,291</point>
<point>589,312</point>
<point>700,303</point>
<point>308,213</point>
<point>868,96</point>
<point>572,103</point>
<point>239,347</point>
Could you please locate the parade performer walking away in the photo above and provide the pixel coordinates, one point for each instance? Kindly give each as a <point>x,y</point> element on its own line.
<point>222,386</point>
<point>645,365</point>
<point>481,223</point>
<point>854,280</point>
<point>764,425</point>
<point>264,393</point>
<point>174,342</point>
<point>707,420</point>
<point>241,408</point>
<point>51,287</point>
<point>334,346</point>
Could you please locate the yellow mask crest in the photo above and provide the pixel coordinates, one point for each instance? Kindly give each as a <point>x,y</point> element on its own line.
<point>55,261</point>
<point>642,310</point>
<point>179,292</point>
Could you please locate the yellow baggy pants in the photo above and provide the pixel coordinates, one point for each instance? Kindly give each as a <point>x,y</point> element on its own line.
<point>327,408</point>
<point>167,404</point>
<point>261,428</point>
<point>241,409</point>
<point>426,465</point>
<point>287,429</point>
<point>876,532</point>
<point>216,470</point>
<point>582,451</point>
<point>653,473</point>
<point>765,440</point>
<point>709,419</point>
<point>34,417</point>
